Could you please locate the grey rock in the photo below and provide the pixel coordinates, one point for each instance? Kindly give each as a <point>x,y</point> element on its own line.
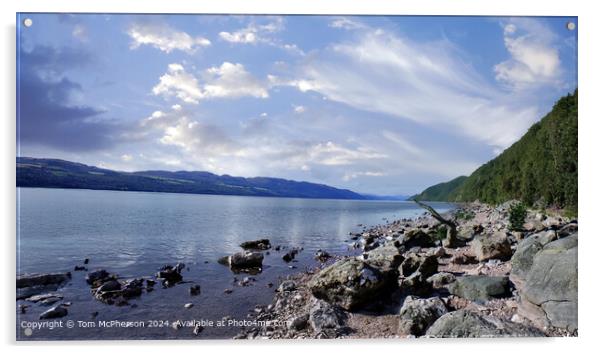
<point>466,324</point>
<point>323,315</point>
<point>54,312</point>
<point>417,315</point>
<point>549,294</point>
<point>171,274</point>
<point>262,244</point>
<point>246,259</point>
<point>414,271</point>
<point>286,286</point>
<point>31,280</point>
<point>522,260</point>
<point>111,285</point>
<point>491,246</point>
<point>416,238</point>
<point>290,255</point>
<point>463,258</point>
<point>439,280</point>
<point>300,322</point>
<point>42,297</point>
<point>322,256</point>
<point>96,276</point>
<point>567,230</point>
<point>480,287</point>
<point>195,290</point>
<point>348,283</point>
<point>385,258</point>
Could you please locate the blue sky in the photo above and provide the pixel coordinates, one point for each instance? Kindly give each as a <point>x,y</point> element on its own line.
<point>380,104</point>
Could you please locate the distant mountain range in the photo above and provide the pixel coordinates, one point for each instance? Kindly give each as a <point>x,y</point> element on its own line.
<point>540,168</point>
<point>54,173</point>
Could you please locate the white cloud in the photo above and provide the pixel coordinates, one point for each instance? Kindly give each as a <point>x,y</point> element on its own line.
<point>242,36</point>
<point>254,33</point>
<point>333,154</point>
<point>232,80</point>
<point>428,83</point>
<point>177,82</point>
<point>534,60</point>
<point>80,32</point>
<point>229,80</point>
<point>346,23</point>
<point>353,175</point>
<point>177,128</point>
<point>164,38</point>
<point>126,157</point>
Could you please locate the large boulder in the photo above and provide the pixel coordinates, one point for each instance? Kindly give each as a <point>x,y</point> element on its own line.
<point>494,246</point>
<point>416,238</point>
<point>417,315</point>
<point>522,260</point>
<point>466,324</point>
<point>414,271</point>
<point>348,283</point>
<point>385,258</point>
<point>480,287</point>
<point>549,293</point>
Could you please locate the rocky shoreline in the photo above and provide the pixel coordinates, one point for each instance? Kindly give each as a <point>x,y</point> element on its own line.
<point>488,282</point>
<point>463,274</point>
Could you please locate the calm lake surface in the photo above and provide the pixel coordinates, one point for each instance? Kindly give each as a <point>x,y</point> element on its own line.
<point>132,234</point>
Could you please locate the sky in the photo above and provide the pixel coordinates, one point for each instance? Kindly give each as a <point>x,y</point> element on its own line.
<point>385,105</point>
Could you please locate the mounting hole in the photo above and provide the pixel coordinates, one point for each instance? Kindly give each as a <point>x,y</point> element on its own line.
<point>570,25</point>
<point>27,22</point>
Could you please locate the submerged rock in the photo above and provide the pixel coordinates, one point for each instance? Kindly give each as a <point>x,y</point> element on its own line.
<point>246,260</point>
<point>290,255</point>
<point>417,315</point>
<point>195,290</point>
<point>31,280</point>
<point>44,297</point>
<point>322,256</point>
<point>97,276</point>
<point>171,274</point>
<point>262,244</point>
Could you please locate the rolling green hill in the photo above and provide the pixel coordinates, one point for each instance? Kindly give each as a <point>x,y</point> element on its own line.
<point>540,168</point>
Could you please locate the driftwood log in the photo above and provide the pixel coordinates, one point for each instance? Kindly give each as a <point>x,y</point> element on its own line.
<point>451,239</point>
